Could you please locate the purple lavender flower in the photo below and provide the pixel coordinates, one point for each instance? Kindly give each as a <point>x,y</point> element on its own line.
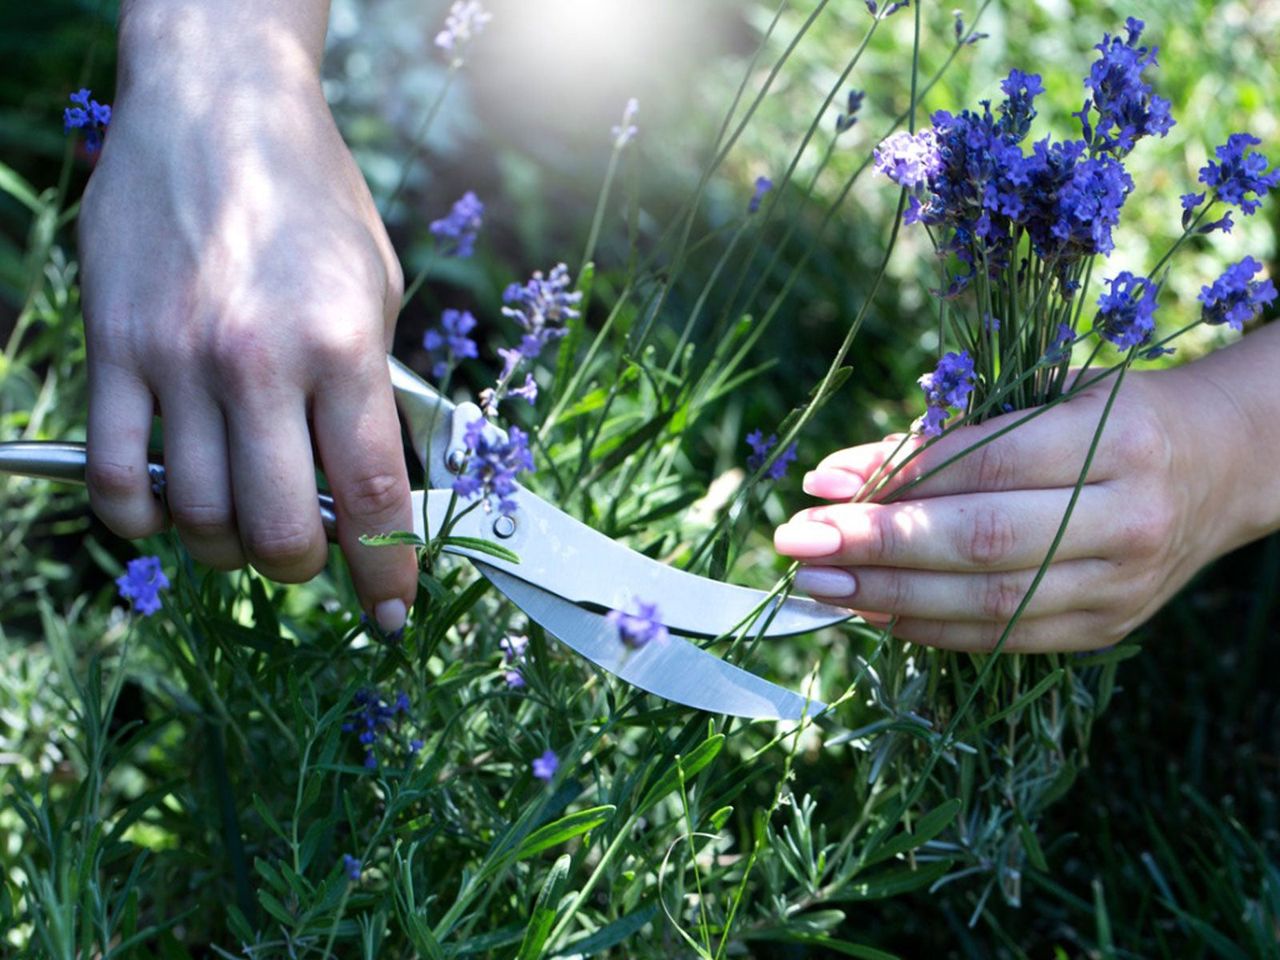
<point>351,867</point>
<point>373,719</point>
<point>1018,109</point>
<point>889,10</point>
<point>541,307</point>
<point>1089,204</point>
<point>90,116</point>
<point>1126,314</point>
<point>1239,172</point>
<point>529,391</point>
<point>909,160</point>
<point>514,679</point>
<point>513,647</point>
<point>1235,298</point>
<point>461,226</point>
<point>141,584</point>
<point>545,766</point>
<point>492,465</point>
<point>451,337</point>
<point>624,133</point>
<point>846,120</point>
<point>763,186</point>
<point>972,38</point>
<point>949,385</point>
<point>465,21</point>
<point>1125,106</point>
<point>760,446</point>
<point>639,629</point>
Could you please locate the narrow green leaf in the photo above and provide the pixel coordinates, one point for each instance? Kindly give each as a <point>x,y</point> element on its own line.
<point>544,911</point>
<point>1035,693</point>
<point>566,828</point>
<point>18,188</point>
<point>269,818</point>
<point>684,768</point>
<point>927,827</point>
<point>610,935</point>
<point>892,883</point>
<point>392,538</point>
<point>482,546</point>
<point>275,908</point>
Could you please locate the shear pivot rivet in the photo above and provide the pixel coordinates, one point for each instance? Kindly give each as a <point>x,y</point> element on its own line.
<point>504,527</point>
<point>455,460</point>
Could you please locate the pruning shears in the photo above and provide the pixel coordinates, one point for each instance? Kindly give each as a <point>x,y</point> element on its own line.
<point>568,576</point>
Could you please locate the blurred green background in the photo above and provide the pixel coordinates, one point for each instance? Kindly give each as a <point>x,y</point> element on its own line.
<point>1169,841</point>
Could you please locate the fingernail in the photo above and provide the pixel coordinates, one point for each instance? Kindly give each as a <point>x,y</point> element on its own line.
<point>804,538</point>
<point>391,615</point>
<point>832,484</point>
<point>826,582</point>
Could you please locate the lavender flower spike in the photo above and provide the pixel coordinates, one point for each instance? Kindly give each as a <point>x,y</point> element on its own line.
<point>760,447</point>
<point>88,115</point>
<point>541,307</point>
<point>461,225</point>
<point>949,385</point>
<point>464,22</point>
<point>909,160</point>
<point>624,133</point>
<point>451,339</point>
<point>763,186</point>
<point>492,466</point>
<point>141,584</point>
<point>1238,173</point>
<point>1126,314</point>
<point>1235,298</point>
<point>639,629</point>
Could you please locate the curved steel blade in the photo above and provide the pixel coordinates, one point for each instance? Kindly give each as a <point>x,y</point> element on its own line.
<point>568,558</point>
<point>675,670</point>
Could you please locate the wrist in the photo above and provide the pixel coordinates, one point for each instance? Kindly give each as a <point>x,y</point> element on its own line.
<point>188,51</point>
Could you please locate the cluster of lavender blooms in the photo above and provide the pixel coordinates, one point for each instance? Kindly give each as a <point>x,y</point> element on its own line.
<point>464,22</point>
<point>492,465</point>
<point>141,583</point>
<point>351,867</point>
<point>88,115</point>
<point>639,629</point>
<point>374,719</point>
<point>946,388</point>
<point>541,307</point>
<point>450,342</point>
<point>461,226</point>
<point>760,448</point>
<point>513,648</point>
<point>1013,219</point>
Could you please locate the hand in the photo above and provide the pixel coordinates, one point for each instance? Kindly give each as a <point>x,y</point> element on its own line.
<point>954,558</point>
<point>237,277</point>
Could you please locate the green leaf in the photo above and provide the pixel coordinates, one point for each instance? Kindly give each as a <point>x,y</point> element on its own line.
<point>544,911</point>
<point>842,947</point>
<point>892,883</point>
<point>482,546</point>
<point>566,828</point>
<point>699,757</point>
<point>275,908</point>
<point>610,935</point>
<point>392,538</point>
<point>1035,693</point>
<point>927,827</point>
<point>269,818</point>
<point>18,188</point>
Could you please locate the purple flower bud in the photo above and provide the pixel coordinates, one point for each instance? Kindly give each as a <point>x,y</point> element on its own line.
<point>141,584</point>
<point>763,186</point>
<point>1235,298</point>
<point>545,766</point>
<point>461,226</point>
<point>639,629</point>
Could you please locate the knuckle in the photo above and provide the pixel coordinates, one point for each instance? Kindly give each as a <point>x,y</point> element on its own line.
<point>374,495</point>
<point>1148,528</point>
<point>881,536</point>
<point>1001,597</point>
<point>112,480</point>
<point>995,466</point>
<point>988,538</point>
<point>202,520</point>
<point>243,359</point>
<point>286,550</point>
<point>1144,443</point>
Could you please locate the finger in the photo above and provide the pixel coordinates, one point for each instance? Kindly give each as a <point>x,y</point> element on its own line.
<point>120,411</point>
<point>358,435</point>
<point>273,486</point>
<point>1064,633</point>
<point>962,533</point>
<point>1045,451</point>
<point>198,478</point>
<point>985,597</point>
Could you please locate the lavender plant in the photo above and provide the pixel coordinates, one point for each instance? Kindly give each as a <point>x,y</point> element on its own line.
<point>296,783</point>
